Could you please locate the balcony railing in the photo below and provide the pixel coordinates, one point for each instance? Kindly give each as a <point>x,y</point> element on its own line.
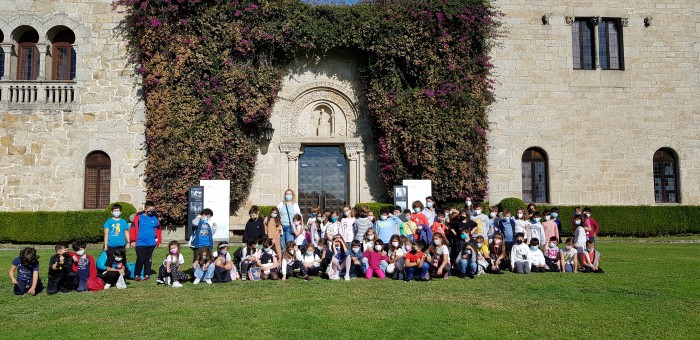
<point>37,94</point>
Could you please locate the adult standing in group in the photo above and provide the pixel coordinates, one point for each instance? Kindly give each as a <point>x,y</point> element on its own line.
<point>288,208</point>
<point>145,236</point>
<point>273,229</point>
<point>429,210</point>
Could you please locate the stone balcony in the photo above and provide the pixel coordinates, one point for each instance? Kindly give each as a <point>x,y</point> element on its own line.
<point>24,95</point>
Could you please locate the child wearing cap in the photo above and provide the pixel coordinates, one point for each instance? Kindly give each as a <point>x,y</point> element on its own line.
<point>223,264</point>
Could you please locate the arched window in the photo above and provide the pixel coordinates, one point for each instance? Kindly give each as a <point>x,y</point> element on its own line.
<point>97,180</point>
<point>63,58</point>
<point>666,188</point>
<point>535,179</point>
<point>2,56</point>
<point>27,53</point>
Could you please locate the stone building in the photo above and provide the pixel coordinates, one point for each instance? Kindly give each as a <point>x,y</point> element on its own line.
<point>597,103</point>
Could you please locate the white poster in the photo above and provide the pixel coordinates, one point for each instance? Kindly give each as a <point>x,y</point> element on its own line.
<point>418,190</point>
<point>217,195</point>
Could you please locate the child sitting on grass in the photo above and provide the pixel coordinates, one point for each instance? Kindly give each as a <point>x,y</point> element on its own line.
<point>170,269</point>
<point>84,265</point>
<point>203,266</point>
<point>27,279</point>
<point>590,259</point>
<point>520,255</point>
<point>246,257</point>
<point>355,269</point>
<point>267,261</point>
<point>61,275</point>
<point>415,260</point>
<point>223,265</point>
<point>292,260</point>
<point>570,257</point>
<point>553,257</point>
<point>373,259</point>
<point>115,267</point>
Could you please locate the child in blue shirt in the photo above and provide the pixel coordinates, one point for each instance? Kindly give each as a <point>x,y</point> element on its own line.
<point>27,279</point>
<point>115,235</point>
<point>204,234</point>
<point>387,225</point>
<point>355,269</point>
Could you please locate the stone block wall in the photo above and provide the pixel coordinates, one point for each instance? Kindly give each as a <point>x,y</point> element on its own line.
<point>599,128</point>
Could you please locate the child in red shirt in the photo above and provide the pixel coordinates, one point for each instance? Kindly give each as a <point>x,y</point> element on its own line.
<point>415,259</point>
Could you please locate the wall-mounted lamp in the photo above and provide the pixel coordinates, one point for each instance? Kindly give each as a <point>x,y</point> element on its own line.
<point>268,132</point>
<point>545,19</point>
<point>647,21</point>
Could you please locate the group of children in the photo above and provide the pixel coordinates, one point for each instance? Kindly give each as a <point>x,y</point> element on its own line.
<point>418,244</point>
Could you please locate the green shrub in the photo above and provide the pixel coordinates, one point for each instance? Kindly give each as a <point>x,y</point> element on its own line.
<point>127,209</point>
<point>49,227</point>
<point>511,204</point>
<point>265,210</point>
<point>374,206</point>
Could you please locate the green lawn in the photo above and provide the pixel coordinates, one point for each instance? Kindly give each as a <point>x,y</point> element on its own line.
<point>649,290</point>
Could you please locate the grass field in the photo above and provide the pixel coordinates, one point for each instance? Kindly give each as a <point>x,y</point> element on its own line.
<point>649,290</point>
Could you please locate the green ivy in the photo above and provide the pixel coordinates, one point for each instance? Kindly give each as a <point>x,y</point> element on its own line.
<point>212,70</point>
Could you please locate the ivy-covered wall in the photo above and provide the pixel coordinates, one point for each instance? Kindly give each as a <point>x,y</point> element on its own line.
<point>212,69</point>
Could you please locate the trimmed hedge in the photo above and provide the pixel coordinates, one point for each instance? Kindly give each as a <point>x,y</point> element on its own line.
<point>512,204</point>
<point>265,210</point>
<point>374,206</point>
<point>42,227</point>
<point>634,221</point>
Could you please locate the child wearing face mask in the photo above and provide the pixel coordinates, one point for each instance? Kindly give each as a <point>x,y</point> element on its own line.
<point>396,254</point>
<point>570,256</point>
<point>83,264</point>
<point>590,224</point>
<point>439,224</point>
<point>301,236</point>
<point>203,236</point>
<point>291,260</point>
<point>521,224</point>
<point>325,254</point>
<point>346,228</point>
<point>386,225</point>
<point>482,223</point>
<point>439,257</point>
<point>555,217</point>
<point>311,260</point>
<point>203,266</point>
<point>333,226</point>
<point>321,227</point>
<point>370,237</point>
<point>520,255</point>
<point>483,259</point>
<point>553,257</point>
<point>169,272</point>
<point>415,260</point>
<point>61,276</point>
<point>419,218</point>
<point>537,262</point>
<point>246,257</point>
<point>355,269</point>
<point>466,260</point>
<point>409,227</point>
<point>590,259</point>
<point>255,227</point>
<point>374,258</point>
<point>340,261</point>
<point>273,229</point>
<point>267,261</point>
<point>493,223</point>
<point>536,230</point>
<point>224,270</point>
<point>498,254</point>
<point>468,205</point>
<point>579,234</point>
<point>507,226</point>
<point>115,267</point>
<point>362,224</point>
<point>550,227</point>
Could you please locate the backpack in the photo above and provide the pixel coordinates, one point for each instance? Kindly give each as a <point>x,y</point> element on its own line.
<point>254,274</point>
<point>102,261</point>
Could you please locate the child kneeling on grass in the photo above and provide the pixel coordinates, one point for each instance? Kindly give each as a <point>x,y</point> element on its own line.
<point>374,259</point>
<point>170,269</point>
<point>203,266</point>
<point>61,276</point>
<point>27,279</point>
<point>590,259</point>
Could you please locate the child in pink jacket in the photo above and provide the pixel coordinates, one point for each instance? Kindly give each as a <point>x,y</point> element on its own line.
<point>374,258</point>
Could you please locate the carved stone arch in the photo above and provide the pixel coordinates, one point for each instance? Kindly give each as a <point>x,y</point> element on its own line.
<point>298,116</point>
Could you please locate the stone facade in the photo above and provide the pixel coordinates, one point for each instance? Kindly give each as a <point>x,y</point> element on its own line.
<point>47,131</point>
<point>599,128</point>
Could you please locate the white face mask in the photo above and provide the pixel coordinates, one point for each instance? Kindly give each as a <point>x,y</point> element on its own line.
<point>337,248</point>
<point>479,245</point>
<point>395,244</point>
<point>469,203</point>
<point>384,217</point>
<point>356,249</point>
<point>477,211</point>
<point>546,218</point>
<point>492,214</point>
<point>520,215</point>
<point>273,215</point>
<point>553,244</point>
<point>578,222</point>
<point>80,252</point>
<point>346,213</point>
<point>370,237</point>
<point>437,242</point>
<point>118,259</point>
<point>377,247</point>
<point>568,248</point>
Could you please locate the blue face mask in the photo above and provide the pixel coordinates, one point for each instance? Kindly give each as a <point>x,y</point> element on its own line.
<point>533,247</point>
<point>554,215</point>
<point>334,219</point>
<point>288,198</point>
<point>536,220</point>
<point>416,210</point>
<point>464,236</point>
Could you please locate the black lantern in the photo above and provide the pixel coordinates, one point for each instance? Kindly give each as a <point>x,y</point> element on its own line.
<point>268,132</point>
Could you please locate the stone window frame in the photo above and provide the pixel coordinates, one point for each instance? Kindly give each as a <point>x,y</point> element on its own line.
<point>609,23</point>
<point>70,66</point>
<point>593,23</point>
<point>22,61</point>
<point>662,156</point>
<point>532,156</point>
<point>100,161</point>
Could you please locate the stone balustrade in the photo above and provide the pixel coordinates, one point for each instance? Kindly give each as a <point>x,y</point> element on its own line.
<point>37,95</point>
